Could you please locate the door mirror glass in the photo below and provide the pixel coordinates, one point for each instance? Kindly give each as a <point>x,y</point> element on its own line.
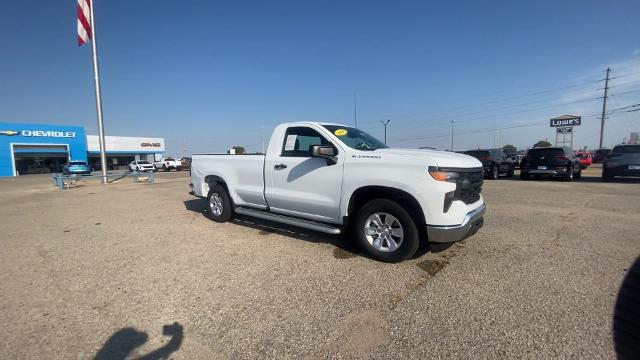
<point>323,151</point>
<point>327,152</point>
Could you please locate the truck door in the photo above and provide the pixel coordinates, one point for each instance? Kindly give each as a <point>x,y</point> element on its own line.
<point>298,184</point>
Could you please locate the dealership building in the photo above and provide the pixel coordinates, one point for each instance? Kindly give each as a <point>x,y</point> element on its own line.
<point>45,148</point>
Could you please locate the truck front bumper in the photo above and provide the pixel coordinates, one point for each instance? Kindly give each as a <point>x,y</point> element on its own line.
<point>472,222</point>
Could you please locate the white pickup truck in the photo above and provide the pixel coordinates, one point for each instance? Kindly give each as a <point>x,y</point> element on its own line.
<point>333,178</point>
<point>166,164</point>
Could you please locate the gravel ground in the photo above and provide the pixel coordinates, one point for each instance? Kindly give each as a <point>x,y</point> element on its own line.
<point>129,270</point>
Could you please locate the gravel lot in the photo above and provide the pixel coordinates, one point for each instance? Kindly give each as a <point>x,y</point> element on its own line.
<point>104,271</point>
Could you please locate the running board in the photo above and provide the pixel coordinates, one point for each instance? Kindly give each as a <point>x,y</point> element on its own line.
<point>290,220</point>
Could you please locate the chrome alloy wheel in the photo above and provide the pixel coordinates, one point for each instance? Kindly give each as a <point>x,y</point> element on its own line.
<point>215,204</point>
<point>384,232</point>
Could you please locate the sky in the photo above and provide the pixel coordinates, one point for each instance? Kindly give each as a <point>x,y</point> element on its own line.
<point>208,75</point>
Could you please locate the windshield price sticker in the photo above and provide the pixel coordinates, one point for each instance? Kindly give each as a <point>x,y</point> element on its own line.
<point>340,132</point>
<point>291,143</point>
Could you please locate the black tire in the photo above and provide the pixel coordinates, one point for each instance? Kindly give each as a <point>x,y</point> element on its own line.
<point>605,176</point>
<point>524,175</point>
<point>579,174</point>
<point>411,238</point>
<point>512,170</point>
<point>227,206</point>
<point>569,174</point>
<point>626,315</point>
<point>494,173</point>
<point>164,168</point>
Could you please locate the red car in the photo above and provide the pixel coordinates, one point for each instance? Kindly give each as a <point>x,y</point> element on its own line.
<point>585,158</point>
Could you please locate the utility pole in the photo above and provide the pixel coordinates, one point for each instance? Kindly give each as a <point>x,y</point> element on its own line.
<point>452,122</point>
<point>355,110</point>
<point>604,106</point>
<point>385,129</point>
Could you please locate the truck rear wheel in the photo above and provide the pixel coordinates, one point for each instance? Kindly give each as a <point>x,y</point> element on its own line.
<point>219,204</point>
<point>386,231</point>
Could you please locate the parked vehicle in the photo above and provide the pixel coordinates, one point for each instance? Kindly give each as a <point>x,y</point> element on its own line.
<point>167,164</point>
<point>331,178</point>
<point>141,166</point>
<point>185,163</point>
<point>585,158</point>
<point>517,158</point>
<point>623,160</point>
<point>599,155</point>
<point>559,162</point>
<point>76,167</point>
<point>494,162</point>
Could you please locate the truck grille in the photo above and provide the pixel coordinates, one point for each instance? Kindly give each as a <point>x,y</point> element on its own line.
<point>470,186</point>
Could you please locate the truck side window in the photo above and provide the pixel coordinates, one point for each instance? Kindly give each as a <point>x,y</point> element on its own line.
<point>299,140</point>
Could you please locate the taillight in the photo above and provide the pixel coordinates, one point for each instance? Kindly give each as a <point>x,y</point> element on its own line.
<point>483,158</point>
<point>560,158</point>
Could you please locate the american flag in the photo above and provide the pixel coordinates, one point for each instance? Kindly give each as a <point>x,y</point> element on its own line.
<point>84,21</point>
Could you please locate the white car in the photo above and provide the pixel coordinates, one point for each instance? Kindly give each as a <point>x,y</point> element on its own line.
<point>167,164</point>
<point>331,178</point>
<point>140,166</point>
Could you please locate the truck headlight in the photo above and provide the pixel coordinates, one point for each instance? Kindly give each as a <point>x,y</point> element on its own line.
<point>441,175</point>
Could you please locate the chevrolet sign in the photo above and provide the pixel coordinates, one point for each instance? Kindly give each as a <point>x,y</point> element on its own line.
<point>42,133</point>
<point>9,132</point>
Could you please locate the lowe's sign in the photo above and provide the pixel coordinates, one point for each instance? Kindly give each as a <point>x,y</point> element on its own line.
<point>573,121</point>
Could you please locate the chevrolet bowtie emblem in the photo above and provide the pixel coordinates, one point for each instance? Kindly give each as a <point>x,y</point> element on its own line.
<point>8,132</point>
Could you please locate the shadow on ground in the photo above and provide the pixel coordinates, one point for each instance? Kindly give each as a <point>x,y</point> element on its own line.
<point>124,341</point>
<point>345,245</point>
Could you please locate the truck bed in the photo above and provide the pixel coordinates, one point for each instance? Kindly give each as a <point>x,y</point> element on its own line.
<point>245,171</point>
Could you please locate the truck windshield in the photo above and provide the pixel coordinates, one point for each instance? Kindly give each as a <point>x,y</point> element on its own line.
<point>355,139</point>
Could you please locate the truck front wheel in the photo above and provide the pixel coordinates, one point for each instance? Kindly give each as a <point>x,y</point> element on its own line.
<point>219,204</point>
<point>386,231</point>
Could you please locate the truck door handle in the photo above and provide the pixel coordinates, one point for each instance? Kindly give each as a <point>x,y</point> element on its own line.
<point>280,166</point>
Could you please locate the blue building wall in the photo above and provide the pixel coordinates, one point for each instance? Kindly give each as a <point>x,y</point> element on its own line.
<point>45,134</point>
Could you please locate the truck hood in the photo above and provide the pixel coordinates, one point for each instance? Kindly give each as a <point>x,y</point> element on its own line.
<point>434,157</point>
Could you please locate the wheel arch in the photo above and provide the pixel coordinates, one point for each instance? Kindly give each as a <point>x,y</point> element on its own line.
<point>365,194</point>
<point>213,180</point>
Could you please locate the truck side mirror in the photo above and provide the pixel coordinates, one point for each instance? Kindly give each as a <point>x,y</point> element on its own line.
<point>327,152</point>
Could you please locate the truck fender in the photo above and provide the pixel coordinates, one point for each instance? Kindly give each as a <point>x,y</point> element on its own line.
<point>364,194</point>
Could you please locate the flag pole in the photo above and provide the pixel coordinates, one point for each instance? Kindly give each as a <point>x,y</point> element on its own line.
<point>96,78</point>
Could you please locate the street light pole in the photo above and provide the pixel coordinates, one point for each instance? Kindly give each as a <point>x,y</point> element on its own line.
<point>385,129</point>
<point>452,122</point>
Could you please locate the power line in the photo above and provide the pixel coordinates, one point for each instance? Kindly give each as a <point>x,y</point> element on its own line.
<point>466,132</point>
<point>506,113</point>
<point>495,101</point>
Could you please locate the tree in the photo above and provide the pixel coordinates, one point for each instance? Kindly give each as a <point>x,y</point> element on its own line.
<point>238,150</point>
<point>509,148</point>
<point>542,143</point>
